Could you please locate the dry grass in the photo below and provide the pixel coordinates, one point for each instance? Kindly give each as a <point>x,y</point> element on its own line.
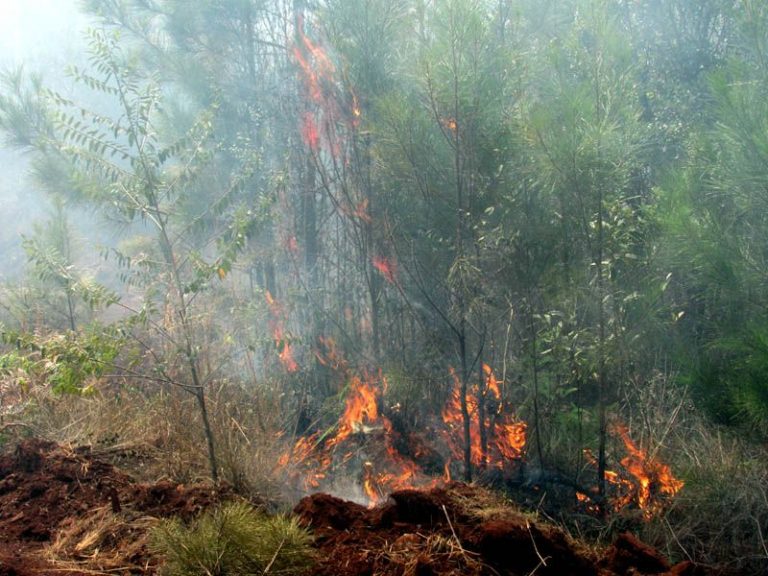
<point>485,505</point>
<point>103,542</point>
<point>160,435</point>
<point>412,554</point>
<point>721,515</point>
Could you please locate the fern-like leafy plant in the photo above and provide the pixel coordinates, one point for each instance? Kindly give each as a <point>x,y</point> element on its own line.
<point>233,539</point>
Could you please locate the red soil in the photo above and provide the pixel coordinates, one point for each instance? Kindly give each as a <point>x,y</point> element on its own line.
<point>48,491</point>
<point>45,488</point>
<point>457,530</point>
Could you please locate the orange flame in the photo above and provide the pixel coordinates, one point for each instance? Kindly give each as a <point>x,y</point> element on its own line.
<point>309,132</point>
<point>649,474</point>
<point>361,412</point>
<point>330,108</point>
<point>360,211</point>
<point>450,124</point>
<point>310,459</point>
<point>646,482</point>
<point>282,342</point>
<point>506,436</point>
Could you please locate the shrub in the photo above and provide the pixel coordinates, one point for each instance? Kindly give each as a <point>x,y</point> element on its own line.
<point>233,539</point>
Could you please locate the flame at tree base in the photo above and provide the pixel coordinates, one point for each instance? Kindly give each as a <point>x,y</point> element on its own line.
<point>365,458</point>
<point>642,482</point>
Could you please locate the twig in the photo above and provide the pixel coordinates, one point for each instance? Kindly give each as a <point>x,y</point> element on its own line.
<point>760,535</point>
<point>7,425</point>
<point>674,537</point>
<point>274,556</point>
<point>455,536</point>
<point>542,560</point>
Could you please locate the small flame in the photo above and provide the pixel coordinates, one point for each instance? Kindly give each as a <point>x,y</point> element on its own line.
<point>386,268</point>
<point>282,342</point>
<point>361,212</point>
<point>286,357</point>
<point>291,244</point>
<point>649,474</point>
<point>310,459</point>
<point>645,481</point>
<point>451,124</point>
<point>309,132</point>
<point>506,436</point>
<point>361,412</point>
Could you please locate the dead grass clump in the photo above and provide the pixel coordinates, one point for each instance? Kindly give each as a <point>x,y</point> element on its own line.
<point>721,516</point>
<point>102,542</point>
<point>413,554</point>
<point>483,505</point>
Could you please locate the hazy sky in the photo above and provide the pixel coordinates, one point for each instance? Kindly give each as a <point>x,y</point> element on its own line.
<point>36,29</point>
<point>43,35</point>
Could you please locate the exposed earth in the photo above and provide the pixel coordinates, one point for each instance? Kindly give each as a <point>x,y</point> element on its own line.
<point>67,511</point>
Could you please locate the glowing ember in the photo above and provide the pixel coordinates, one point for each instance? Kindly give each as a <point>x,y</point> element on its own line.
<point>386,268</point>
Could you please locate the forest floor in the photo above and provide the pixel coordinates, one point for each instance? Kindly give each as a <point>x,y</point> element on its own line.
<point>70,511</point>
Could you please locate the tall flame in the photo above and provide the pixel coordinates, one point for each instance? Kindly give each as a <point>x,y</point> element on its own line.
<point>506,436</point>
<point>329,107</point>
<point>310,459</point>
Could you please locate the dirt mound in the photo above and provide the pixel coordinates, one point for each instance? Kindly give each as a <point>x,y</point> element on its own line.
<point>64,511</point>
<point>460,530</point>
<point>61,509</point>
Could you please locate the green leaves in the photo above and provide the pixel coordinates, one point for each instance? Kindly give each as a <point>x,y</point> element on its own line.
<point>70,363</point>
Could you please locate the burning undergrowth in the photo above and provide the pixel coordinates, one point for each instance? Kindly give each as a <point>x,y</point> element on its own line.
<point>364,456</point>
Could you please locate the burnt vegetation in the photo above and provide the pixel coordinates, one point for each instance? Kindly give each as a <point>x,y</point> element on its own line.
<point>493,270</point>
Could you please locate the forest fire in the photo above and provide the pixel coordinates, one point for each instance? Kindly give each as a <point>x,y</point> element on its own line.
<point>364,445</point>
<point>497,440</point>
<point>366,438</point>
<point>311,459</point>
<point>642,481</point>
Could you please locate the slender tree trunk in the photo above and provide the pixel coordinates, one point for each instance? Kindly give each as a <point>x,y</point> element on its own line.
<point>70,307</point>
<point>599,255</point>
<point>535,374</point>
<point>464,405</point>
<point>483,418</point>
